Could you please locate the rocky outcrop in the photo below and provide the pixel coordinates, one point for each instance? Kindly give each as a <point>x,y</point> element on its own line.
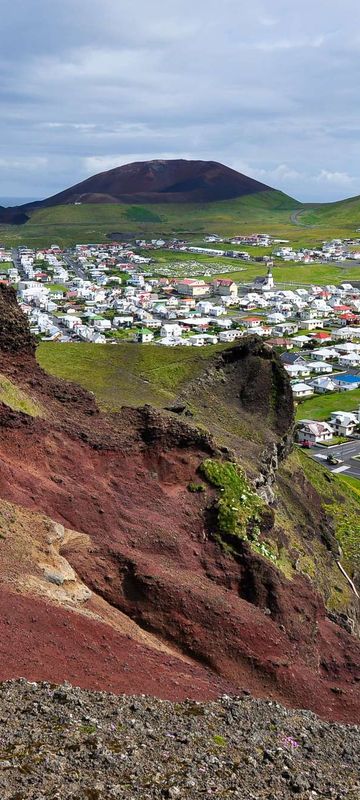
<point>15,336</point>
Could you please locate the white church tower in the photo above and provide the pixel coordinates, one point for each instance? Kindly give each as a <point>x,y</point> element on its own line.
<point>269,280</point>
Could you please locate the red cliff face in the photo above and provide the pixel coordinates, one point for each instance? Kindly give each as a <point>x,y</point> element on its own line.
<point>112,577</point>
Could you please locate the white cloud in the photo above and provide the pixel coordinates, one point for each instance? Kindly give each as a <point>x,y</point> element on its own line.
<point>269,88</point>
<point>337,178</point>
<point>291,44</point>
<point>25,163</point>
<point>268,22</point>
<point>94,164</point>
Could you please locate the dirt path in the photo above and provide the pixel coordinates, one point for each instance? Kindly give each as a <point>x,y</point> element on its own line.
<point>295,218</point>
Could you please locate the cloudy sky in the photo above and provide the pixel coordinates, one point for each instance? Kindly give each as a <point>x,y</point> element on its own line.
<point>269,87</point>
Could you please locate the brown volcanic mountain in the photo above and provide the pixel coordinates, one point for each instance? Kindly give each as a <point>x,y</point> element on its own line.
<point>159,181</point>
<point>112,573</point>
<point>173,181</point>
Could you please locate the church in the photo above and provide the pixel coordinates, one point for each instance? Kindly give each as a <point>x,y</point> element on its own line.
<point>265,283</point>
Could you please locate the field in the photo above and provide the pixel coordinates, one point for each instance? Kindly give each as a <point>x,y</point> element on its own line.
<point>321,406</point>
<point>179,264</point>
<point>125,374</point>
<point>271,212</point>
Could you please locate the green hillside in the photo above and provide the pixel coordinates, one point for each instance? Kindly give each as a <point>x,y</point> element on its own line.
<point>269,211</point>
<point>344,213</point>
<point>125,374</point>
<point>70,224</point>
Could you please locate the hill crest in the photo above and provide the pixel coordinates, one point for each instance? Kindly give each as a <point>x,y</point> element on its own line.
<point>156,181</point>
<point>162,180</point>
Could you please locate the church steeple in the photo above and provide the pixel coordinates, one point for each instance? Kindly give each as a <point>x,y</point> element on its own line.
<point>270,279</point>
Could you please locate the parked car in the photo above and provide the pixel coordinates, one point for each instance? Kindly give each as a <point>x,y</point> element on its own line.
<point>331,459</point>
<point>307,444</point>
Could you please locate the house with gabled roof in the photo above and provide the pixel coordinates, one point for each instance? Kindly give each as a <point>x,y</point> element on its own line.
<point>313,431</point>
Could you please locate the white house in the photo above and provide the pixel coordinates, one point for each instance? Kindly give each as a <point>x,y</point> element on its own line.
<point>123,322</point>
<point>170,329</point>
<point>228,336</point>
<point>312,324</point>
<point>297,370</point>
<point>225,286</point>
<point>320,367</point>
<point>344,422</point>
<point>346,333</point>
<point>350,360</point>
<point>324,353</point>
<point>323,384</point>
<point>192,288</point>
<point>311,431</point>
<point>301,390</point>
<point>143,336</point>
<point>102,325</point>
<point>285,328</point>
<point>301,341</point>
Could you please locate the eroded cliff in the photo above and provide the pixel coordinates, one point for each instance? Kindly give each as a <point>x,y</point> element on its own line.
<point>141,553</point>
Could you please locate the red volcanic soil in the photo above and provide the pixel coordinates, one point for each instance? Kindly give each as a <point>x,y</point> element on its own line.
<point>214,623</point>
<point>40,641</point>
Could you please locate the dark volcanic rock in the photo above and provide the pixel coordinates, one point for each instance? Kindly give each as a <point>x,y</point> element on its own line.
<point>15,335</point>
<point>177,181</point>
<point>60,742</point>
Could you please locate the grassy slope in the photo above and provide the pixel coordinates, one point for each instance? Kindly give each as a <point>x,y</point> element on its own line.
<point>345,213</point>
<point>342,502</point>
<point>125,374</point>
<point>15,398</point>
<point>71,224</point>
<point>271,211</point>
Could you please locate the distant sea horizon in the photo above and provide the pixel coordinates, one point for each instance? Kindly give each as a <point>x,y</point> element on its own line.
<point>16,201</point>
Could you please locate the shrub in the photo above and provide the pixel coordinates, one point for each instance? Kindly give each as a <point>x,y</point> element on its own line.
<point>239,508</point>
<point>196,488</point>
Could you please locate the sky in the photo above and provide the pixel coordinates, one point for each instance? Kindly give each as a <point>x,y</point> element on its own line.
<point>268,87</point>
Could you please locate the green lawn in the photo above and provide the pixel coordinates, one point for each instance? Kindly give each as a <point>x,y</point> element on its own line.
<point>320,406</point>
<point>56,287</point>
<point>354,483</point>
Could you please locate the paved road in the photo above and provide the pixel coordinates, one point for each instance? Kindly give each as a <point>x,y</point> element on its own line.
<point>16,260</point>
<point>295,218</point>
<point>344,452</point>
<point>74,266</point>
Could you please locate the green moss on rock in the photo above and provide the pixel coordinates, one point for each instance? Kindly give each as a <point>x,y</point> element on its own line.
<point>239,509</point>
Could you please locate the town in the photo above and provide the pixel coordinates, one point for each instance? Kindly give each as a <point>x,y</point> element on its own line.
<point>112,293</point>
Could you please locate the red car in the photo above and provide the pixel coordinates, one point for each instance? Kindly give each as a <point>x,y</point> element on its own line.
<point>307,444</point>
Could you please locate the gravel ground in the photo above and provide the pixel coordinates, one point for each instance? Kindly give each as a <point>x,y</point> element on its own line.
<point>62,742</point>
